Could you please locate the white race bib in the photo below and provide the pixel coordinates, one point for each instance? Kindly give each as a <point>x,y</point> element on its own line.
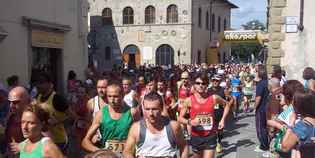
<point>115,146</point>
<point>205,121</point>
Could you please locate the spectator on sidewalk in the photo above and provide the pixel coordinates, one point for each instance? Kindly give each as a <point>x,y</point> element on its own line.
<point>309,78</point>
<point>261,99</point>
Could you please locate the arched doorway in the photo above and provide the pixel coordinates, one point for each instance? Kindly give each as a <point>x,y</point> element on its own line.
<point>164,55</point>
<point>131,55</point>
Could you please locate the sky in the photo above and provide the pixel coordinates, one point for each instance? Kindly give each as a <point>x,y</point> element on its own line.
<point>248,10</point>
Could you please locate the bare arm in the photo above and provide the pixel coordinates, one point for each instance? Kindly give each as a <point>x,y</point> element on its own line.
<point>183,111</point>
<point>180,140</point>
<point>227,106</point>
<point>86,142</point>
<point>289,140</point>
<point>135,114</point>
<point>274,123</point>
<point>129,151</point>
<point>51,150</point>
<point>312,85</point>
<point>164,111</point>
<point>89,106</point>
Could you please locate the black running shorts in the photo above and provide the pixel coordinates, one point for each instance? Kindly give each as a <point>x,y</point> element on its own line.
<point>199,143</point>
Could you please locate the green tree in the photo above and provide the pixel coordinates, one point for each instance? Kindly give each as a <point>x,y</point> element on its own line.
<point>254,25</point>
<point>243,51</point>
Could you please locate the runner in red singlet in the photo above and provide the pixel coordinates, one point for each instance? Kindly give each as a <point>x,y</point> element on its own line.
<point>140,85</point>
<point>201,111</point>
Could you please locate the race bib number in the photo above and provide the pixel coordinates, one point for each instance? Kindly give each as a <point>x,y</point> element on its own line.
<point>205,121</point>
<point>115,146</point>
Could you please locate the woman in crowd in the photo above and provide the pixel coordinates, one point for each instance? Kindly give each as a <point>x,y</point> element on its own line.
<point>309,78</point>
<point>279,118</point>
<point>33,123</point>
<point>248,89</point>
<point>302,134</point>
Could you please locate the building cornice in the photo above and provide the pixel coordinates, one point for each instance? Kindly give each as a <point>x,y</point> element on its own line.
<point>151,25</point>
<point>35,23</point>
<point>232,5</point>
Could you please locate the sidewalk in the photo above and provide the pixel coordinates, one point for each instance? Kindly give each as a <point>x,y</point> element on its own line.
<point>240,138</point>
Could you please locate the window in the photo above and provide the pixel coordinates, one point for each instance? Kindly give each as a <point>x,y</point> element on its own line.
<point>225,24</point>
<point>108,53</point>
<point>213,22</point>
<point>164,55</point>
<point>149,15</point>
<point>207,20</point>
<point>172,14</point>
<point>199,17</point>
<point>128,15</point>
<point>107,16</point>
<point>219,24</point>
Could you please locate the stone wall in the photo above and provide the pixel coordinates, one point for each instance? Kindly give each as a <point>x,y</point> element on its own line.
<point>293,51</point>
<point>277,36</point>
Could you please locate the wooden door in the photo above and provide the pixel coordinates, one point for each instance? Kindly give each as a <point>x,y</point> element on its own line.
<point>125,57</point>
<point>138,59</point>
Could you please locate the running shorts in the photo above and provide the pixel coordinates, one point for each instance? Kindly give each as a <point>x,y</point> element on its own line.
<point>199,143</point>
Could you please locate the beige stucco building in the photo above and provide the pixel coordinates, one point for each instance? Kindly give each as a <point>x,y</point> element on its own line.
<point>45,35</point>
<point>291,27</point>
<point>155,32</point>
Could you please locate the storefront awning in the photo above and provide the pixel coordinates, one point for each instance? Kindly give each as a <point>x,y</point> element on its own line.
<point>35,23</point>
<point>3,33</point>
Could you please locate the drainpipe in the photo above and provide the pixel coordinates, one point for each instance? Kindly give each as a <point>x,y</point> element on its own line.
<point>211,5</point>
<point>301,25</point>
<point>268,15</point>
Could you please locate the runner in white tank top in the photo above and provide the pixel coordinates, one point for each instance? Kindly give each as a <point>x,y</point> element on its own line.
<point>156,144</point>
<point>95,104</point>
<point>130,96</point>
<point>155,136</point>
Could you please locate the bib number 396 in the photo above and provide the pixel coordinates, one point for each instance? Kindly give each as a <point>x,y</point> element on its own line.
<point>115,146</point>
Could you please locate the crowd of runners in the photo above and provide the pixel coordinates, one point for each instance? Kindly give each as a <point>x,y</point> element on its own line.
<point>155,112</point>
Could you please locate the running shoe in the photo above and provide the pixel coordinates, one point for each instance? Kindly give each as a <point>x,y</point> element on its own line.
<point>266,154</point>
<point>258,150</point>
<point>218,148</point>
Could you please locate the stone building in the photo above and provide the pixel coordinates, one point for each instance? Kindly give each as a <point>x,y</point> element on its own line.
<point>291,27</point>
<point>163,32</point>
<point>45,35</point>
